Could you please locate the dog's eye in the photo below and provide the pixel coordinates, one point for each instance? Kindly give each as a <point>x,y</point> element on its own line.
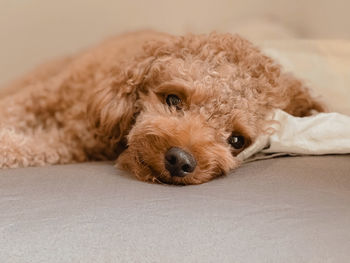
<point>173,100</point>
<point>236,140</point>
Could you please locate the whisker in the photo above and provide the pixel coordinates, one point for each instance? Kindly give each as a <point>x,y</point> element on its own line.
<point>211,116</point>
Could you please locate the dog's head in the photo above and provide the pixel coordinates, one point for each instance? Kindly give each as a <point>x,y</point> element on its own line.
<point>186,107</point>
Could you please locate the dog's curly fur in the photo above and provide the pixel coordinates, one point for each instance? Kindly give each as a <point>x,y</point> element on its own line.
<point>109,102</point>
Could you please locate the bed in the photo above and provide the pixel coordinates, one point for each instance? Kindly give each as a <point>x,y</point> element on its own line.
<point>287,209</point>
<point>291,209</point>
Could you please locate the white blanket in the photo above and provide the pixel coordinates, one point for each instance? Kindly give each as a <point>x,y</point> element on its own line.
<point>324,133</point>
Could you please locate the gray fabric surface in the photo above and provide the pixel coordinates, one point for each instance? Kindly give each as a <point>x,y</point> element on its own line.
<point>280,210</point>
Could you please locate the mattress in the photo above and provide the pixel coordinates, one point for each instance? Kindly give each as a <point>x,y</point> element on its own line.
<point>290,209</point>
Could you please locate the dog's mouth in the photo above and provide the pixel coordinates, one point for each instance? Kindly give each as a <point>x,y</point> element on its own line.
<point>152,175</point>
<point>155,164</point>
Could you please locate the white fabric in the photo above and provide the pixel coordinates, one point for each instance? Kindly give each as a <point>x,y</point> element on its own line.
<point>324,133</point>
<point>323,65</point>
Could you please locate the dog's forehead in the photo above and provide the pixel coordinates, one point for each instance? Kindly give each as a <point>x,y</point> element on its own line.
<point>205,79</point>
<point>192,68</point>
<point>224,94</point>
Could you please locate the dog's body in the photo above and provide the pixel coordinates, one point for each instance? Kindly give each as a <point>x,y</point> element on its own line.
<point>177,109</point>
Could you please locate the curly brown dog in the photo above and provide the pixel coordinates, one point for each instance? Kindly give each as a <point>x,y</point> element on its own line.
<point>169,109</point>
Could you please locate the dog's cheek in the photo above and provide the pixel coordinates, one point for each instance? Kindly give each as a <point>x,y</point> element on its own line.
<point>144,165</point>
<point>215,158</point>
<point>125,161</point>
<point>128,161</point>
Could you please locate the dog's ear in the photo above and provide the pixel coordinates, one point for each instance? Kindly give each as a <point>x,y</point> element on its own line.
<point>113,105</point>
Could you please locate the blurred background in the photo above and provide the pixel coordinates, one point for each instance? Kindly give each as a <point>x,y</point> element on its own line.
<point>32,31</point>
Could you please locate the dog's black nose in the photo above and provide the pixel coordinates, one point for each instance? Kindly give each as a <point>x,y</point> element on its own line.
<point>179,162</point>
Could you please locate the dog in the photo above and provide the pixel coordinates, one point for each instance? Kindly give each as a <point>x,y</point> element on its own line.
<point>170,109</point>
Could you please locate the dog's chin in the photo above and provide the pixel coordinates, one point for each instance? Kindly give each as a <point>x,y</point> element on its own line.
<point>162,178</point>
<point>150,174</point>
<point>189,180</point>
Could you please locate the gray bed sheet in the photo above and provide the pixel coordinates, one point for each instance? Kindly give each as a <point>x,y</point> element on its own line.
<point>294,209</point>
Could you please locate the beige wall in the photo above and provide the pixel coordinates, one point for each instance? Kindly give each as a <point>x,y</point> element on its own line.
<point>34,30</point>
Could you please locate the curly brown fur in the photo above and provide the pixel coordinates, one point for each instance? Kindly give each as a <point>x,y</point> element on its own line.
<point>109,102</point>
